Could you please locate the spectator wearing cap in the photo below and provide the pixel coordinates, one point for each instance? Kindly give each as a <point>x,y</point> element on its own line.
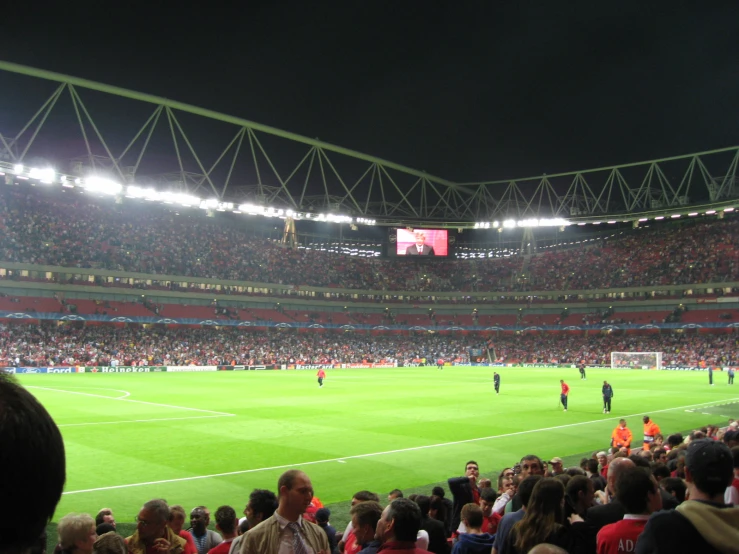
<point>557,467</point>
<point>702,524</point>
<point>322,520</point>
<point>732,491</point>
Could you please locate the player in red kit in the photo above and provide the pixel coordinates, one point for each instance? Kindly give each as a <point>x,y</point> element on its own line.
<point>440,363</point>
<point>564,394</point>
<point>321,376</point>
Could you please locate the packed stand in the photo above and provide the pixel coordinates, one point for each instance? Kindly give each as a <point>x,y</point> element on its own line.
<point>72,344</point>
<point>102,345</point>
<point>69,230</point>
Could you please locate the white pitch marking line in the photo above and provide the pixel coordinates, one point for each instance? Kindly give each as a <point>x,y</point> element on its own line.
<point>140,420</point>
<point>372,454</point>
<point>131,400</point>
<point>125,392</point>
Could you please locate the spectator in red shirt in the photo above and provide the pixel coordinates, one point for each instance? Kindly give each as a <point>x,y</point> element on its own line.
<point>227,525</point>
<point>639,494</point>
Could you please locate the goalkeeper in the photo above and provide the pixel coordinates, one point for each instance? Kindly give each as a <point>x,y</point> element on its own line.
<point>607,395</point>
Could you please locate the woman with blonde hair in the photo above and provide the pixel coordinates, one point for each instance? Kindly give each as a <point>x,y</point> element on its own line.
<point>76,534</point>
<point>544,522</point>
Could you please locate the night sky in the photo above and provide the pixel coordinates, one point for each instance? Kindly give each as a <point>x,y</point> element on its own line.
<point>473,90</point>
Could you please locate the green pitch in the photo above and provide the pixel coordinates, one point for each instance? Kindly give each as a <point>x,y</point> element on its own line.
<point>211,438</point>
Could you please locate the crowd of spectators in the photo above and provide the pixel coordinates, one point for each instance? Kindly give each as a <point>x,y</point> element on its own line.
<point>50,344</point>
<point>104,345</point>
<point>71,230</point>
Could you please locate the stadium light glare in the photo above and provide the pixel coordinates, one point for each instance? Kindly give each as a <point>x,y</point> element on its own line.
<point>728,209</point>
<point>710,212</point>
<point>596,222</point>
<point>18,168</point>
<point>675,216</point>
<point>44,175</point>
<point>612,222</point>
<point>659,217</point>
<point>644,219</point>
<point>509,223</point>
<point>209,203</point>
<point>102,185</point>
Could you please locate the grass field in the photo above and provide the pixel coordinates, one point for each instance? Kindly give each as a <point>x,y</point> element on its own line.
<point>210,438</point>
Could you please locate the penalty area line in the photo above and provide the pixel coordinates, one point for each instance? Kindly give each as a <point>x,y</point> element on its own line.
<point>132,400</point>
<point>342,459</point>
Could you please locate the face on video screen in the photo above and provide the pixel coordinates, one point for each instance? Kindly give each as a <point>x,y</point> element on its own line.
<point>422,242</point>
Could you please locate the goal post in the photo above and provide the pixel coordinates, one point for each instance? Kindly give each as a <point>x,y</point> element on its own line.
<point>636,360</point>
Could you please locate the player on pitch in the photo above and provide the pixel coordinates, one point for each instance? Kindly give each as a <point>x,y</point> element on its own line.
<point>496,382</point>
<point>321,376</point>
<point>565,392</point>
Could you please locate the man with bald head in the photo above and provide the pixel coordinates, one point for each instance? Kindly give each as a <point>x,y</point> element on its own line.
<point>286,531</point>
<point>611,511</point>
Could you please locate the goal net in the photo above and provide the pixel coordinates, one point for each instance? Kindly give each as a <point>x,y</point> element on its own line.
<point>636,360</point>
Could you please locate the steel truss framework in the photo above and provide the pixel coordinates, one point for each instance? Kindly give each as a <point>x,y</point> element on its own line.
<point>260,164</point>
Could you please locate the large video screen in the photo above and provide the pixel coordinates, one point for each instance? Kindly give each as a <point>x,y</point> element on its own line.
<point>422,242</point>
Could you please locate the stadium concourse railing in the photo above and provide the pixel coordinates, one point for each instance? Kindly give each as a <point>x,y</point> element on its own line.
<point>53,316</point>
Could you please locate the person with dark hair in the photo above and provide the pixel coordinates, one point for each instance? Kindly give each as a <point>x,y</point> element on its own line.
<point>445,511</point>
<point>591,469</point>
<point>496,382</point>
<point>509,520</point>
<point>348,543</point>
<point>31,451</point>
<point>639,494</point>
<point>105,516</point>
<point>607,392</point>
<point>393,494</point>
<point>544,520</point>
<point>564,394</point>
<point>287,525</point>
<point>490,519</point>
<point>228,526</point>
<point>204,538</point>
<point>581,367</point>
<point>364,518</point>
<point>675,487</point>
<point>464,490</point>
<point>322,520</point>
<point>673,441</point>
<point>104,528</point>
<point>579,493</point>
<point>530,465</point>
<point>651,430</point>
<point>152,533</point>
<point>435,529</point>
<point>703,523</point>
<point>474,540</point>
<point>398,527</point>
